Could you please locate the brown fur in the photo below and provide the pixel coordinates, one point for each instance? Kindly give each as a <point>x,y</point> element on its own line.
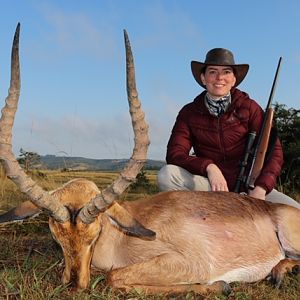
<point>76,238</point>
<point>201,238</point>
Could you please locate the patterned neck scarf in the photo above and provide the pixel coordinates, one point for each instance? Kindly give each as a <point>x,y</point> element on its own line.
<point>217,107</point>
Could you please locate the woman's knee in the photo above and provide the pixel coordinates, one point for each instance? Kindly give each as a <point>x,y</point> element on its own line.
<point>278,197</point>
<point>168,178</point>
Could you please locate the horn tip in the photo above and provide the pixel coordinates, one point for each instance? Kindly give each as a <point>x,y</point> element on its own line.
<point>17,32</point>
<point>126,36</point>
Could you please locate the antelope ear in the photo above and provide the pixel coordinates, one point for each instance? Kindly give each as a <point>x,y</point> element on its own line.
<point>121,218</point>
<point>23,211</point>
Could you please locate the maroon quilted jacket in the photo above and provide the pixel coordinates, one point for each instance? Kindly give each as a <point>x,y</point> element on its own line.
<point>220,140</point>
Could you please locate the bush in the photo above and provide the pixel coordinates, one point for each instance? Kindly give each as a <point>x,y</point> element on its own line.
<point>142,184</point>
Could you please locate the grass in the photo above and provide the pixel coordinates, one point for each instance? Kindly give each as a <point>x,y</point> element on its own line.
<point>31,262</point>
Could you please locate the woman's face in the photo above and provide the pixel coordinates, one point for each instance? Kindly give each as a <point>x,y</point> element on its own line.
<point>218,80</point>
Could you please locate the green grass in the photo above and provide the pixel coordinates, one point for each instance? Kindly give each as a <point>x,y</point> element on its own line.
<point>31,262</point>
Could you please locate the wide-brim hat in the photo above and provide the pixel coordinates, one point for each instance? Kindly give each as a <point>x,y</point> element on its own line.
<point>219,57</point>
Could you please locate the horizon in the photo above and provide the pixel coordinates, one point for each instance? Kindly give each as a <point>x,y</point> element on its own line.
<point>124,158</point>
<point>73,94</point>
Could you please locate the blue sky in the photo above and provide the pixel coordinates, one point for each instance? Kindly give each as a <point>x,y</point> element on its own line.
<point>73,98</point>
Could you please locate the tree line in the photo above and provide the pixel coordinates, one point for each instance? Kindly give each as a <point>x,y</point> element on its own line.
<point>287,122</point>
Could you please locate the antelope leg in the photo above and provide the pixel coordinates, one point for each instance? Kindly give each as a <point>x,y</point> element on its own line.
<point>286,265</point>
<point>167,273</point>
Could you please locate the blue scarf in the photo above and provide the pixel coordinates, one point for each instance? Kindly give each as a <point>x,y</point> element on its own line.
<point>217,107</point>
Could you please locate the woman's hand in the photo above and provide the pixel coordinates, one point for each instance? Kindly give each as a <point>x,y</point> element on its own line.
<point>258,192</point>
<point>216,178</point>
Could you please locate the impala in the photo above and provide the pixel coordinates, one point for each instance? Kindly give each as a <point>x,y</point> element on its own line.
<point>175,241</point>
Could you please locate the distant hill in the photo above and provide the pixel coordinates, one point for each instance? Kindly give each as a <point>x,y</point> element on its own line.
<point>53,162</point>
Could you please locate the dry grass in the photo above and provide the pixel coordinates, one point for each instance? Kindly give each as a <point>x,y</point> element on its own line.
<point>10,196</point>
<point>31,262</point>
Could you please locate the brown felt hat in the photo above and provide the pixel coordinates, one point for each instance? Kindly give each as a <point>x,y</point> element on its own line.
<point>219,57</point>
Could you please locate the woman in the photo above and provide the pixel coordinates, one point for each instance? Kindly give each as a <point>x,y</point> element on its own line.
<point>216,126</point>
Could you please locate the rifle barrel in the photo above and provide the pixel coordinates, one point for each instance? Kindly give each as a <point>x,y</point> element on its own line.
<point>249,184</point>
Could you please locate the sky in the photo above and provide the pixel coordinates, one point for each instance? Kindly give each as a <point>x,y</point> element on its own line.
<point>73,96</point>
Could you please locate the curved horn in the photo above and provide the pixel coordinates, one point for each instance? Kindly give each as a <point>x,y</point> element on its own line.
<point>12,168</point>
<point>139,155</point>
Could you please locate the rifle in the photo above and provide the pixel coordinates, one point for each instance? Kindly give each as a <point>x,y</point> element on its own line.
<point>259,152</point>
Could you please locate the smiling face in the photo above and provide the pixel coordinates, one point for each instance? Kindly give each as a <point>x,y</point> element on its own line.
<point>218,80</point>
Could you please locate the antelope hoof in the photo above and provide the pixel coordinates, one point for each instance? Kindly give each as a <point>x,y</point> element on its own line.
<point>226,289</point>
<point>296,270</point>
<point>275,279</point>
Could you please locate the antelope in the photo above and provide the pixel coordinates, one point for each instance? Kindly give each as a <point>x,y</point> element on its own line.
<point>171,242</point>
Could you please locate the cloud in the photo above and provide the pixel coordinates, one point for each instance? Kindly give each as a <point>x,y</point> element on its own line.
<point>106,137</point>
<point>169,28</point>
<point>76,136</point>
<point>78,30</point>
<point>73,32</point>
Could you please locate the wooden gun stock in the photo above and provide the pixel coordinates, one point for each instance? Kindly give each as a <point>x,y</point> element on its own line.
<point>259,156</point>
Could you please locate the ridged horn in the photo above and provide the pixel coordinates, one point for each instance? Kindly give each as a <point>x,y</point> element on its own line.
<point>11,166</point>
<point>139,155</point>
